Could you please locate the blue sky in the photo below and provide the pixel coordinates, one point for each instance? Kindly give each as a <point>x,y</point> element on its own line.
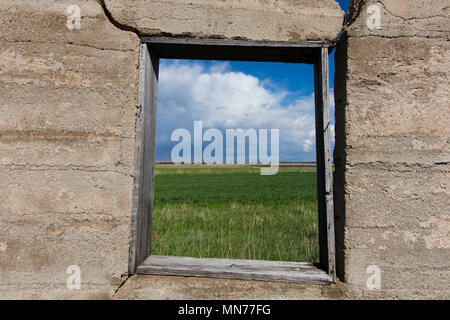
<point>238,94</point>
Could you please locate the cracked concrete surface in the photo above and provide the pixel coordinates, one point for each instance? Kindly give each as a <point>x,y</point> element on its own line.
<point>68,105</point>
<point>283,20</point>
<point>402,19</point>
<point>392,146</point>
<point>67,139</point>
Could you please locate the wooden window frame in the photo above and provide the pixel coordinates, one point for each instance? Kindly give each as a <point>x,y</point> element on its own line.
<point>140,258</point>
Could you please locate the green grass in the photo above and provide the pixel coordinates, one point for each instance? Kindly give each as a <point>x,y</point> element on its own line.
<point>227,212</point>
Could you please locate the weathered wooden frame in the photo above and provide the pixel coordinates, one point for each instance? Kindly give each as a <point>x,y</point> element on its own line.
<point>140,259</point>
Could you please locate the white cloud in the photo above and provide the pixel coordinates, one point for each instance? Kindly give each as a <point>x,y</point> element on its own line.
<point>225,99</point>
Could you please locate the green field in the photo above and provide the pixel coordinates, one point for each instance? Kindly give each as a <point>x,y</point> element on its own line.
<point>234,212</point>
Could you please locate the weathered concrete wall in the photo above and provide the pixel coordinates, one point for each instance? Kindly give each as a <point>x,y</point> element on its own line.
<point>165,287</point>
<point>68,102</point>
<point>392,148</point>
<point>275,20</point>
<point>67,105</point>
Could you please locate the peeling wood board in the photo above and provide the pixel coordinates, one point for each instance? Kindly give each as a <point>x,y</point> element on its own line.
<point>234,269</point>
<point>225,49</point>
<point>324,164</point>
<point>143,189</point>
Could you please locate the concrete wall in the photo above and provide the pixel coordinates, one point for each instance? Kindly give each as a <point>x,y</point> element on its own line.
<point>67,125</point>
<point>276,20</point>
<point>68,102</point>
<point>392,148</point>
<point>67,106</point>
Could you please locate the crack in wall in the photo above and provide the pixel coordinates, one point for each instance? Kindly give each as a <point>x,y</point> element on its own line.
<point>401,37</point>
<point>160,33</point>
<point>70,43</point>
<point>127,276</point>
<point>115,22</point>
<point>69,167</point>
<point>410,19</point>
<point>354,11</point>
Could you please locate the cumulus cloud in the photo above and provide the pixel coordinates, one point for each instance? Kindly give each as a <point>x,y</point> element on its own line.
<point>223,98</point>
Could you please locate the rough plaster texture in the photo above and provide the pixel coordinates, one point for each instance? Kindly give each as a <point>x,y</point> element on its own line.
<point>67,126</point>
<point>67,105</point>
<point>67,136</point>
<point>392,148</point>
<point>275,20</point>
<point>163,287</point>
